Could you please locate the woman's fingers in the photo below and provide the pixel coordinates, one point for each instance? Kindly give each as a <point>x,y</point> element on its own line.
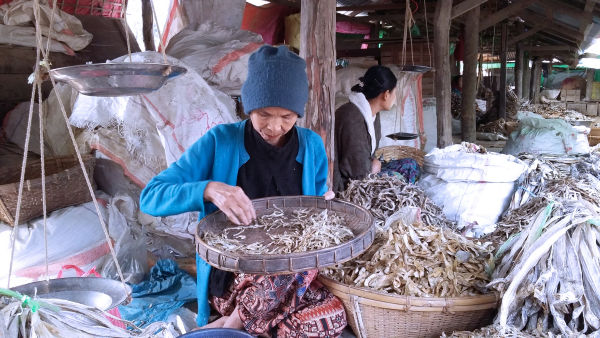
<point>232,201</point>
<point>329,195</point>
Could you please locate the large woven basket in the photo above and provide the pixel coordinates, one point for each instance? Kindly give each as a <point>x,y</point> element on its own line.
<point>65,186</point>
<point>390,153</point>
<point>378,314</point>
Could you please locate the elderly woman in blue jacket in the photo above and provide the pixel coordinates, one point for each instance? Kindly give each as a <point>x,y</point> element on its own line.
<point>265,155</point>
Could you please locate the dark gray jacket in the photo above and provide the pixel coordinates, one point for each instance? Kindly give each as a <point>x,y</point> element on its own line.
<point>352,145</point>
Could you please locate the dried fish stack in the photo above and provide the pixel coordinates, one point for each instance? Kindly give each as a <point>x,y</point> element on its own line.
<point>512,103</point>
<point>418,260</point>
<point>493,331</point>
<point>302,231</point>
<point>549,272</point>
<point>62,318</point>
<point>384,195</point>
<point>555,112</point>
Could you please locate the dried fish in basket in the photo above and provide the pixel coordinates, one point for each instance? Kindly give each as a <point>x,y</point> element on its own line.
<point>21,316</point>
<point>418,260</point>
<point>385,195</point>
<point>302,230</point>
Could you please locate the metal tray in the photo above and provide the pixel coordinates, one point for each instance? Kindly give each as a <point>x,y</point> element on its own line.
<point>402,136</point>
<point>101,293</point>
<point>116,79</point>
<point>359,219</point>
<point>414,68</point>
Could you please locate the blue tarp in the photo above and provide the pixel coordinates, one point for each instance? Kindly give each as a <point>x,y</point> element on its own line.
<point>166,290</point>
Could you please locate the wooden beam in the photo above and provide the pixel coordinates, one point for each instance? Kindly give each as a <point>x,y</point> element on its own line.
<point>589,79</point>
<point>557,48</point>
<point>554,27</point>
<point>526,34</point>
<point>505,13</point>
<point>442,70</point>
<point>369,7</point>
<point>464,7</point>
<point>147,25</point>
<point>526,77</point>
<point>519,54</point>
<point>502,90</point>
<point>535,80</point>
<point>589,5</point>
<point>583,17</point>
<point>469,87</point>
<point>317,33</point>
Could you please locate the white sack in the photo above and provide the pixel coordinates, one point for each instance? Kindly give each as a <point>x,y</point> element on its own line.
<point>177,114</point>
<point>67,31</point>
<point>75,237</point>
<point>220,55</point>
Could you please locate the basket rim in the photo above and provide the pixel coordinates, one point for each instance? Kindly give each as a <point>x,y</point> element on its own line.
<point>419,304</point>
<point>89,162</point>
<point>364,240</point>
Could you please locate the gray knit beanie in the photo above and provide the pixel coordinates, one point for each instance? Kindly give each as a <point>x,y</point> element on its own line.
<point>276,78</point>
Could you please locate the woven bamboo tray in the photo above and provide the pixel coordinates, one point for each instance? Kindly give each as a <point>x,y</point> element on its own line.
<point>65,186</point>
<point>359,220</point>
<point>378,314</point>
<point>390,153</point>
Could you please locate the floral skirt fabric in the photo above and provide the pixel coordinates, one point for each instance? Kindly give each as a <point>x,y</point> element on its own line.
<point>405,167</point>
<point>293,305</point>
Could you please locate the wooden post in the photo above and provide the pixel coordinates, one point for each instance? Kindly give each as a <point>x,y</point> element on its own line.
<point>441,43</point>
<point>535,81</point>
<point>589,79</point>
<point>317,36</point>
<point>147,25</point>
<point>469,88</point>
<point>519,70</point>
<point>502,89</point>
<point>526,77</point>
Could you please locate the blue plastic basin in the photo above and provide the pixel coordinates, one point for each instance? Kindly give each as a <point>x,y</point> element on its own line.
<point>217,333</point>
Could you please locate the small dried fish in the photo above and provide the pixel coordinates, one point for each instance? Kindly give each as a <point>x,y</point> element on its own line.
<point>68,319</point>
<point>299,231</point>
<point>385,195</point>
<point>418,260</point>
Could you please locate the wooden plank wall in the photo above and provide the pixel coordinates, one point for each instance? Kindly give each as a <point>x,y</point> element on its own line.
<point>392,54</point>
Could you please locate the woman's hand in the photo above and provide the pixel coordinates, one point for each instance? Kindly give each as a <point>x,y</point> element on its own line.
<point>232,201</point>
<point>329,195</point>
<point>375,166</point>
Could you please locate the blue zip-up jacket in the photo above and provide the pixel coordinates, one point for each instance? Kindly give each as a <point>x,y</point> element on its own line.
<point>217,156</point>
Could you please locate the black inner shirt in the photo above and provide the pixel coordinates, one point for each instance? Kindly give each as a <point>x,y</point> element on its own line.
<point>270,171</point>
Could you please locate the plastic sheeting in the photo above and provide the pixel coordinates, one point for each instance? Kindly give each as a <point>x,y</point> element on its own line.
<point>537,135</point>
<point>155,299</point>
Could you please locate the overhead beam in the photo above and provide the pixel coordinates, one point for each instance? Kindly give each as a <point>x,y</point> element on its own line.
<point>576,13</point>
<point>504,13</point>
<point>526,34</point>
<point>464,7</point>
<point>559,48</point>
<point>589,5</point>
<point>363,8</point>
<point>554,27</point>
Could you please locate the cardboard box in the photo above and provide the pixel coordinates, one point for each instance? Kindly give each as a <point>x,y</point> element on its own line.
<point>570,95</point>
<point>592,109</point>
<point>580,107</point>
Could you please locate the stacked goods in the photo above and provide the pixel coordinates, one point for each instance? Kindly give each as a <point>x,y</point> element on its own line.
<point>555,112</point>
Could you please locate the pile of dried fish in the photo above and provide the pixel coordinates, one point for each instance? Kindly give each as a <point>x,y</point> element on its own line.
<point>418,260</point>
<point>62,318</point>
<point>280,233</point>
<point>384,195</point>
<point>555,112</point>
<point>549,274</point>
<point>512,103</point>
<point>493,331</point>
<point>500,126</point>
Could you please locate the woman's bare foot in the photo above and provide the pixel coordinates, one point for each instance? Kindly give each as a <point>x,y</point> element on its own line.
<point>234,321</point>
<point>215,324</point>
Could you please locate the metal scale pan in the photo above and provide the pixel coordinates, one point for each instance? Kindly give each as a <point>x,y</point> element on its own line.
<point>117,79</point>
<point>402,136</point>
<point>358,219</point>
<point>101,293</point>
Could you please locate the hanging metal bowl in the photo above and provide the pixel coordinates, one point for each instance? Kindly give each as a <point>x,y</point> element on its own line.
<point>117,79</point>
<point>414,68</point>
<point>402,136</point>
<point>101,293</point>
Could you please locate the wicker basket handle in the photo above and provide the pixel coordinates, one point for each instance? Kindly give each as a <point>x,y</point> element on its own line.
<point>357,314</point>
